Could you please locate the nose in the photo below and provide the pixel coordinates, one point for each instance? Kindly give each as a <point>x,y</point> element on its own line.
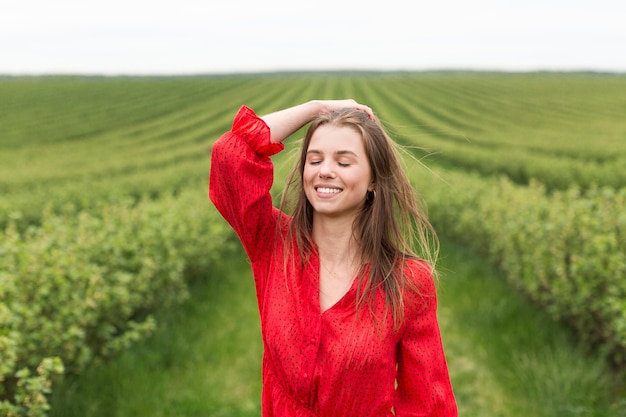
<point>326,170</point>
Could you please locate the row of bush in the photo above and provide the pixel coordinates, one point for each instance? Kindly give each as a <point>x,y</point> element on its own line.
<point>566,250</point>
<point>561,131</point>
<point>523,165</point>
<point>83,286</point>
<point>26,207</point>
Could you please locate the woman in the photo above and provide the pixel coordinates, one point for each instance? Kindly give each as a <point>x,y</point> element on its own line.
<point>348,311</point>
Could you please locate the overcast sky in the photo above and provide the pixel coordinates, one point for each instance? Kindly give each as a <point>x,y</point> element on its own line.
<point>209,36</point>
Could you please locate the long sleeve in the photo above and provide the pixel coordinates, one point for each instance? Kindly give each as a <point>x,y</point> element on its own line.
<point>240,182</point>
<point>424,387</point>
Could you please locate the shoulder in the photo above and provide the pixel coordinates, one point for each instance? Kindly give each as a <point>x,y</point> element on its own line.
<point>419,273</point>
<point>420,291</point>
<point>283,221</point>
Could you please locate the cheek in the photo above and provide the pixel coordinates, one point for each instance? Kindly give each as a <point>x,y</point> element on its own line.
<point>361,179</point>
<point>307,175</point>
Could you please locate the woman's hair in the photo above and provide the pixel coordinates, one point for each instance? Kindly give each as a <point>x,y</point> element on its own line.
<point>392,225</point>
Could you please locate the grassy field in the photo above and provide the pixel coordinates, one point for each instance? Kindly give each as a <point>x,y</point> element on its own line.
<point>75,146</point>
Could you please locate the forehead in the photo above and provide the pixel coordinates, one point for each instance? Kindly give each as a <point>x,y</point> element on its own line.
<point>332,138</point>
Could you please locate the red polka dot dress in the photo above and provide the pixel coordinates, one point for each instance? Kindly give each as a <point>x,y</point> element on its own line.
<point>338,363</point>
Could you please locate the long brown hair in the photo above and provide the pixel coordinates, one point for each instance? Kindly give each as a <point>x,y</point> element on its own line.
<point>392,225</point>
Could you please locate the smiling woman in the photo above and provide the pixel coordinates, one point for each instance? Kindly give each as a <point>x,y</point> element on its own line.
<point>348,308</point>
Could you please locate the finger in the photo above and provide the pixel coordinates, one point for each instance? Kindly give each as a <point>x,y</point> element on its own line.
<point>367,110</point>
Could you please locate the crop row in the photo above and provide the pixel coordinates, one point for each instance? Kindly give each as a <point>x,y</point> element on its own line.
<point>50,110</point>
<point>559,140</point>
<point>559,130</point>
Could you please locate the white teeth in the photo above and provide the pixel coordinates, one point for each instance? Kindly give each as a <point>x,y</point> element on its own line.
<point>325,190</point>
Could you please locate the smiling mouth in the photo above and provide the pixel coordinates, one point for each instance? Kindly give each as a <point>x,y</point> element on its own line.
<point>327,190</point>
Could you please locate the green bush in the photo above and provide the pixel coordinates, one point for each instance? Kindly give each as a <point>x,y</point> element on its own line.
<point>565,250</point>
<point>82,287</point>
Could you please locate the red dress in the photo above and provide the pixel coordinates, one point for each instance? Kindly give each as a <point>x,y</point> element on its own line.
<point>332,364</point>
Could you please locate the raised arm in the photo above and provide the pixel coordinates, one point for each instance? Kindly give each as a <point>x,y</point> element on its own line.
<point>285,122</point>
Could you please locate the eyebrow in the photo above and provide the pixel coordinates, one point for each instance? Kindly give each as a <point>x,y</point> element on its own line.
<point>342,152</point>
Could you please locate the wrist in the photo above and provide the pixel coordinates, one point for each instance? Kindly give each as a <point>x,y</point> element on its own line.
<point>315,108</point>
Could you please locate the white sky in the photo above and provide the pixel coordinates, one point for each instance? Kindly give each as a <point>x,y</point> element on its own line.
<point>209,36</point>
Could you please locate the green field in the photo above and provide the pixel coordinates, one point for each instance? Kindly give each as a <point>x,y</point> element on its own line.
<point>106,228</point>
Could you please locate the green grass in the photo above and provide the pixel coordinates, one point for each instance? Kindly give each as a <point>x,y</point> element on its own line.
<point>506,358</point>
<point>509,358</point>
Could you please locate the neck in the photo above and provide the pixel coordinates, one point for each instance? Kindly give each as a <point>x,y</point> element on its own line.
<point>335,240</point>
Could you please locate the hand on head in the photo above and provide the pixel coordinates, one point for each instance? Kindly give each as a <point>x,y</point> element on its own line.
<point>332,105</point>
